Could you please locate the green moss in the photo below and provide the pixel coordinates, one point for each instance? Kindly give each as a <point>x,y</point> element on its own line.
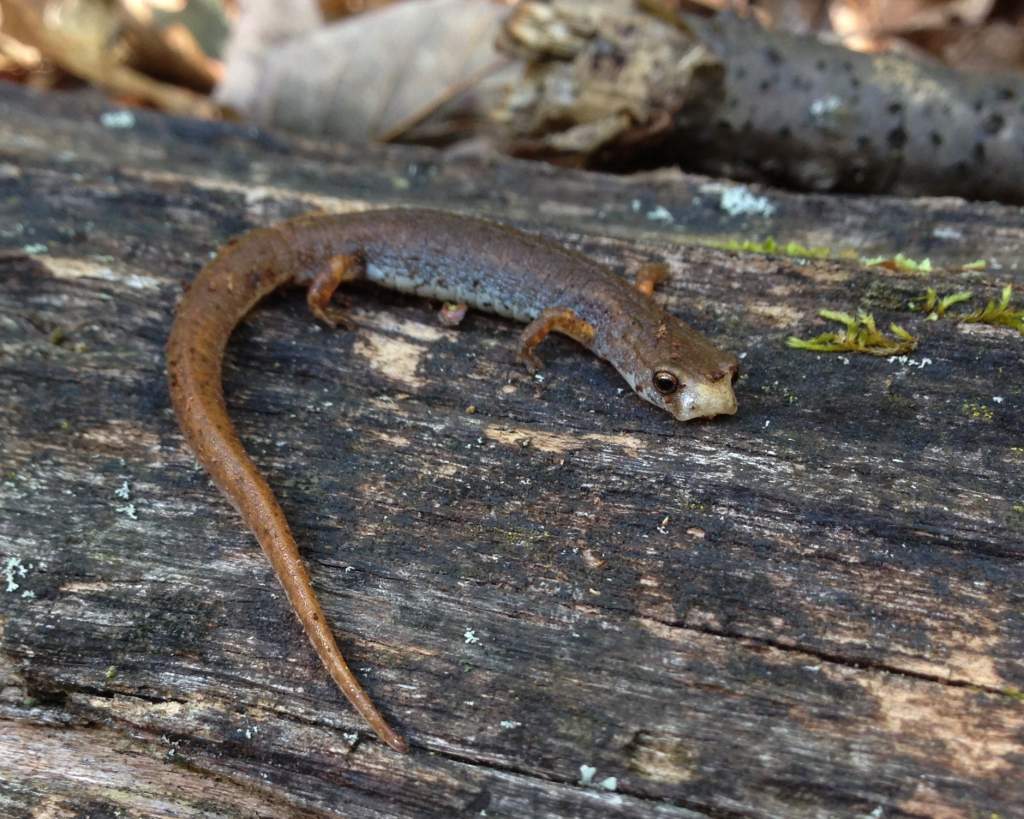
<point>860,335</point>
<point>935,306</point>
<point>998,313</point>
<point>899,262</point>
<point>1014,693</point>
<point>770,245</point>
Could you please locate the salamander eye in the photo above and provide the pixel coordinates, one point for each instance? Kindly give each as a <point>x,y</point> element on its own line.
<point>665,382</point>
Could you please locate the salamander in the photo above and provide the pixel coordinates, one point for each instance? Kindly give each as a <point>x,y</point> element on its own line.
<point>438,255</point>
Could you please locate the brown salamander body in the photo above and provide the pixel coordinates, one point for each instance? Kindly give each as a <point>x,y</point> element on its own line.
<point>433,254</point>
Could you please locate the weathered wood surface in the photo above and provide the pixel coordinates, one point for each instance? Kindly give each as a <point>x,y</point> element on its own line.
<point>812,609</point>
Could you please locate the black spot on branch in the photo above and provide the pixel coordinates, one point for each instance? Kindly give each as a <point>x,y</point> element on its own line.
<point>993,123</point>
<point>896,138</point>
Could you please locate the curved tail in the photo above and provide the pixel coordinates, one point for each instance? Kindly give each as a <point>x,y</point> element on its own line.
<point>224,291</point>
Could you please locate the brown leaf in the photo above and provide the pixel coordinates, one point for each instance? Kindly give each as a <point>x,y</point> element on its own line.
<point>180,41</point>
<point>879,18</point>
<point>998,46</point>
<point>83,38</point>
<point>336,9</point>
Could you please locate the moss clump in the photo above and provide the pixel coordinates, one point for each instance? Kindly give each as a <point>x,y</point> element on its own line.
<point>770,245</point>
<point>860,335</point>
<point>899,262</point>
<point>998,313</point>
<point>935,306</point>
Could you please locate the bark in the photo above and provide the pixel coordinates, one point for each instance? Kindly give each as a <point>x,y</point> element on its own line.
<point>810,609</point>
<point>609,85</point>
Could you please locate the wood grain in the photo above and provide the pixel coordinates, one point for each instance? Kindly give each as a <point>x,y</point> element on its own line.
<point>811,609</point>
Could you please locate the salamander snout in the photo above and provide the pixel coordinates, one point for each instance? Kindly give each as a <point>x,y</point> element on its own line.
<point>705,400</point>
<point>711,397</point>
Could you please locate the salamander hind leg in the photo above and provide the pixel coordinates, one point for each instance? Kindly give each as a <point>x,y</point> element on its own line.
<point>338,270</point>
<point>554,319</point>
<point>649,276</point>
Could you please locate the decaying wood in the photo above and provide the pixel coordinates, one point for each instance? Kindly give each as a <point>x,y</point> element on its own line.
<point>573,605</point>
<point>610,85</point>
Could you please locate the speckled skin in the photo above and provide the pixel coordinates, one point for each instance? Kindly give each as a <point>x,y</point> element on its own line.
<point>429,253</point>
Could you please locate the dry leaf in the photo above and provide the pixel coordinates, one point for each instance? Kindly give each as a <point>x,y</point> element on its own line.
<point>880,18</point>
<point>16,55</point>
<point>261,27</point>
<point>336,9</point>
<point>364,77</point>
<point>798,16</point>
<point>996,46</point>
<point>180,41</point>
<point>83,38</point>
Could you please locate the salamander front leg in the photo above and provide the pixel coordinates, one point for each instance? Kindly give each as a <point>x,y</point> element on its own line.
<point>338,270</point>
<point>557,319</point>
<point>649,276</point>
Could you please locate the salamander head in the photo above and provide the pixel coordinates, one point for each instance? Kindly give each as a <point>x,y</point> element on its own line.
<point>685,375</point>
<point>687,395</point>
